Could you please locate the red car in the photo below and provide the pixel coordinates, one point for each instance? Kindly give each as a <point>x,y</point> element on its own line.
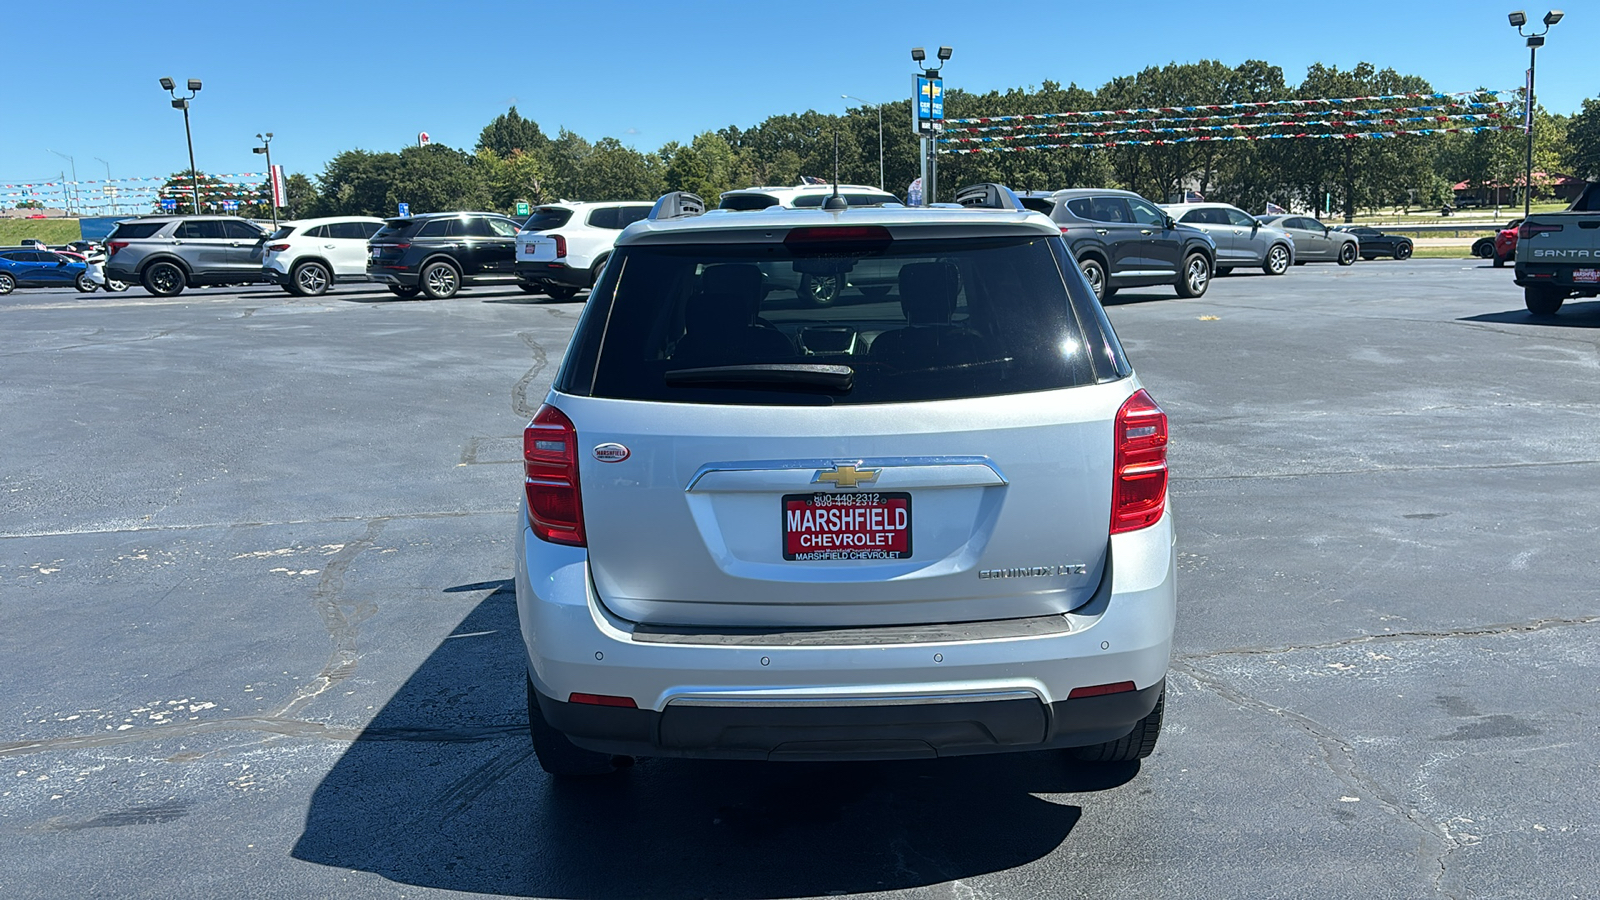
<point>1505,244</point>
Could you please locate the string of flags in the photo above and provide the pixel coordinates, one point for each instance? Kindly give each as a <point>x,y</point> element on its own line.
<point>1339,136</point>
<point>1210,107</point>
<point>1467,117</point>
<point>1330,114</point>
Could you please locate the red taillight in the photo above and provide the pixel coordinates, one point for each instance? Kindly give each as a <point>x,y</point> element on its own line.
<point>550,476</point>
<point>1529,229</point>
<point>561,246</point>
<point>1100,690</point>
<point>1139,479</point>
<point>113,246</point>
<point>608,700</point>
<point>277,248</point>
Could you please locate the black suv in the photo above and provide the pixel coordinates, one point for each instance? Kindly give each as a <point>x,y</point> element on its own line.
<point>1122,240</point>
<point>436,253</point>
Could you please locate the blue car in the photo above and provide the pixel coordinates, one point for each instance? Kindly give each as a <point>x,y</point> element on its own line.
<point>41,268</point>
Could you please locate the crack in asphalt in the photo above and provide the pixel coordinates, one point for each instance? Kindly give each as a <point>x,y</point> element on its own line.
<point>288,727</point>
<point>1470,631</point>
<point>519,391</point>
<point>1385,470</point>
<point>1435,844</point>
<point>329,520</point>
<point>342,626</point>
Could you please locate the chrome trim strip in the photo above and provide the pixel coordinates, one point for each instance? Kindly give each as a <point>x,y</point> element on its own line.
<point>883,462</point>
<point>904,700</point>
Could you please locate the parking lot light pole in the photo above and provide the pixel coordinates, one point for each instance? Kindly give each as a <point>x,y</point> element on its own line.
<point>71,193</point>
<point>880,134</point>
<point>272,188</point>
<point>930,143</point>
<point>183,104</point>
<point>108,188</point>
<point>1518,20</point>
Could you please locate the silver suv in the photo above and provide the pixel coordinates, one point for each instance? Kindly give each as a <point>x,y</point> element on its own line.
<point>169,253</point>
<point>1243,241</point>
<point>926,522</point>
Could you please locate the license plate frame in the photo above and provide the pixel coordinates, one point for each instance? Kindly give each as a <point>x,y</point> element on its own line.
<point>1586,276</point>
<point>885,537</point>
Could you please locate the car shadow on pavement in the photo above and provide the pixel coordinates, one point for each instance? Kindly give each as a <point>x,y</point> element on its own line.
<point>442,790</point>
<point>1573,314</point>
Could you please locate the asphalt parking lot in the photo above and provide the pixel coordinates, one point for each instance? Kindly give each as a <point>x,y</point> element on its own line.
<point>259,635</point>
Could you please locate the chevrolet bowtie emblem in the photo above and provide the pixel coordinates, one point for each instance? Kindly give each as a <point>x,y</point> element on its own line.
<point>845,476</point>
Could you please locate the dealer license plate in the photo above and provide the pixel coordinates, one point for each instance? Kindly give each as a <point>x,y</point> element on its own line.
<point>847,526</point>
<point>1586,276</point>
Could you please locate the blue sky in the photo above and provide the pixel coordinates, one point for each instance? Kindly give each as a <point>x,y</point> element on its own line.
<point>330,76</point>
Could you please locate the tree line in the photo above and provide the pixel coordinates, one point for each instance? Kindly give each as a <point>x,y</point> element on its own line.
<point>515,160</point>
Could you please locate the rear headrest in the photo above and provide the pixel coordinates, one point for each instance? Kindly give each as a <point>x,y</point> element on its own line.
<point>739,279</point>
<point>928,292</point>
<point>708,313</point>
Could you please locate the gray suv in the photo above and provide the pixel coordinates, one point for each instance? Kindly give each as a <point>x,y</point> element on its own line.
<point>169,253</point>
<point>1120,240</point>
<point>1242,240</point>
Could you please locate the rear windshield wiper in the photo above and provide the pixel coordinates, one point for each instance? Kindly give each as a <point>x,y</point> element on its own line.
<point>838,378</point>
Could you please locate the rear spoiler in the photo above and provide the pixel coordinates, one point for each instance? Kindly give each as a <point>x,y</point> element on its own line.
<point>677,205</point>
<point>989,196</point>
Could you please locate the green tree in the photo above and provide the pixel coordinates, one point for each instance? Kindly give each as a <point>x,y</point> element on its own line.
<point>510,132</point>
<point>565,159</point>
<point>436,178</point>
<point>1583,139</point>
<point>613,171</point>
<point>355,183</point>
<point>518,176</point>
<point>707,167</point>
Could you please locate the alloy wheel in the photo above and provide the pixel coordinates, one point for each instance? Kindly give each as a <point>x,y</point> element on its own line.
<point>311,278</point>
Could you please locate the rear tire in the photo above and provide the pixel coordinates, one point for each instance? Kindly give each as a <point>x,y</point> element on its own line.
<point>1138,744</point>
<point>557,754</point>
<point>164,279</point>
<point>596,270</point>
<point>875,291</point>
<point>1347,255</point>
<point>309,279</point>
<point>403,292</point>
<point>821,290</point>
<point>561,291</point>
<point>440,281</point>
<point>1095,274</point>
<point>1543,301</point>
<point>529,288</point>
<point>1195,277</point>
<point>1277,261</point>
<point>1499,261</point>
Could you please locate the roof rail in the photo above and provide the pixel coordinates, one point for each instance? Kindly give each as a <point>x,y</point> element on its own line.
<point>677,205</point>
<point>989,196</point>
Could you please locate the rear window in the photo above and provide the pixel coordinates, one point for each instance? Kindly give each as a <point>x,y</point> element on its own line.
<point>134,230</point>
<point>547,217</point>
<point>814,201</point>
<point>1039,204</point>
<point>747,202</point>
<point>394,229</point>
<point>282,232</point>
<point>911,320</point>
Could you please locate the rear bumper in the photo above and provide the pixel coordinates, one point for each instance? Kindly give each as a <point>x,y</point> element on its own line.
<point>552,273</point>
<point>948,726</point>
<point>1564,277</point>
<point>948,694</point>
<point>393,277</point>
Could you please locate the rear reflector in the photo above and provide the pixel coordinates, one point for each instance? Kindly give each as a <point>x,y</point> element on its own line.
<point>1099,690</point>
<point>1139,475</point>
<point>550,478</point>
<point>608,700</point>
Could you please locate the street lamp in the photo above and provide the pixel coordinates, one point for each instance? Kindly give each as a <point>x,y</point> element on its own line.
<point>880,133</point>
<point>183,104</point>
<point>72,191</point>
<point>272,185</point>
<point>929,143</point>
<point>1519,19</point>
<point>108,192</point>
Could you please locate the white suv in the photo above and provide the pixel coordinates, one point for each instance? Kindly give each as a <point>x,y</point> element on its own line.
<point>563,246</point>
<point>929,523</point>
<point>305,257</point>
<point>804,196</point>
